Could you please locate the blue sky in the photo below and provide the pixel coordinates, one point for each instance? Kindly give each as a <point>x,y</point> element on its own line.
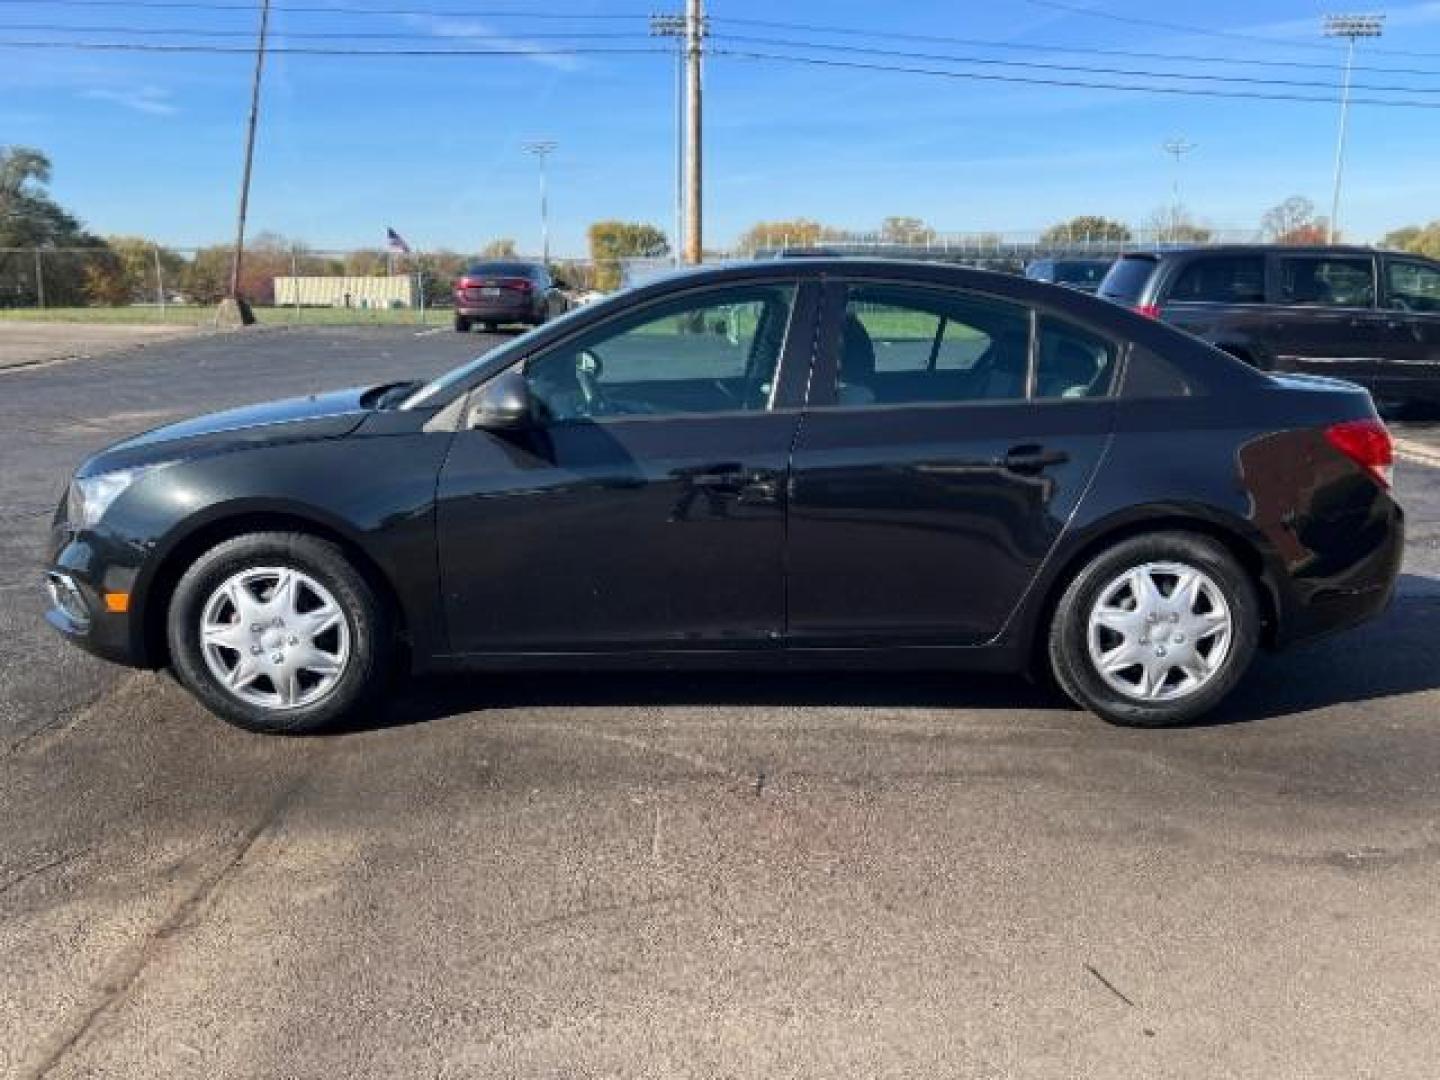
<point>151,144</point>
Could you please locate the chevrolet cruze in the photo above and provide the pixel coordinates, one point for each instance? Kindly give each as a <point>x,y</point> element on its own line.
<point>806,463</point>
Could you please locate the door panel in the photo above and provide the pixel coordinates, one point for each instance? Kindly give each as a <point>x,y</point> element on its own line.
<point>908,527</point>
<point>1325,321</point>
<point>1411,298</point>
<point>622,533</point>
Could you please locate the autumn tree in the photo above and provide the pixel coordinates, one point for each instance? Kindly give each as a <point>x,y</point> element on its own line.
<point>1294,222</point>
<point>906,230</point>
<point>1416,239</point>
<point>500,248</point>
<point>794,233</point>
<point>611,241</point>
<point>1176,225</point>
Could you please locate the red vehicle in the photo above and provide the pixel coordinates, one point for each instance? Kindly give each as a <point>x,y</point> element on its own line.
<point>492,293</point>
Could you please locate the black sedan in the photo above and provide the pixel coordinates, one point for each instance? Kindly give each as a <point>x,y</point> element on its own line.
<point>807,463</point>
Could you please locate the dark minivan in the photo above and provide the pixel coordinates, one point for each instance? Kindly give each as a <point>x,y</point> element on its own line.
<point>1371,317</point>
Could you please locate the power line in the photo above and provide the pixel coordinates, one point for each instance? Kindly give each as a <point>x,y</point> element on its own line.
<point>1138,73</point>
<point>315,35</point>
<point>157,47</point>
<point>1029,80</point>
<point>335,9</point>
<point>1030,46</point>
<point>1181,28</point>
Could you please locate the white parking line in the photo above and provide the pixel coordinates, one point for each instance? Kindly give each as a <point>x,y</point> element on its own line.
<point>1419,453</point>
<point>428,333</point>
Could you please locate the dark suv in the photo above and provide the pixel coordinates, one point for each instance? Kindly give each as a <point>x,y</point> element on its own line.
<point>1372,317</point>
<point>491,293</point>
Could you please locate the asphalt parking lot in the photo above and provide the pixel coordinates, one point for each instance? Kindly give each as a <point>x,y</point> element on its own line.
<point>716,875</point>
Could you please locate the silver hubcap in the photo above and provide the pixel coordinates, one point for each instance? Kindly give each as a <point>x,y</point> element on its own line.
<point>1159,632</point>
<point>275,637</point>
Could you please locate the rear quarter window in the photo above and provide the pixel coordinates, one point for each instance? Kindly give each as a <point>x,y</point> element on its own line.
<point>1149,375</point>
<point>1127,278</point>
<point>1221,279</point>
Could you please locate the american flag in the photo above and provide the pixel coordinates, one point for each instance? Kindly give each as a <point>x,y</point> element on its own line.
<point>396,242</point>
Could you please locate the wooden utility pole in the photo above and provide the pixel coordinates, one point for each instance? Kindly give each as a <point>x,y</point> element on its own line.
<point>249,152</point>
<point>694,51</point>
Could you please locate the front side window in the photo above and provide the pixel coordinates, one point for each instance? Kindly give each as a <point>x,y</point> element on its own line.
<point>1326,281</point>
<point>715,352</point>
<point>1412,286</point>
<point>1222,279</point>
<point>902,345</point>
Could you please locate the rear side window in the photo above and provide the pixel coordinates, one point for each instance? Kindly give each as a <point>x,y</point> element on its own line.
<point>1326,281</point>
<point>1221,279</point>
<point>1149,375</point>
<point>1072,363</point>
<point>1412,286</point>
<point>1127,278</point>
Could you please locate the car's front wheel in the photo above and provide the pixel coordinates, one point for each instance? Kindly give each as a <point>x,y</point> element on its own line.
<point>1156,630</point>
<point>278,632</point>
<point>462,324</point>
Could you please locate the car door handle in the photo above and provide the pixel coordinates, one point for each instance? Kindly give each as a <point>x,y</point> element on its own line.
<point>726,478</point>
<point>1032,459</point>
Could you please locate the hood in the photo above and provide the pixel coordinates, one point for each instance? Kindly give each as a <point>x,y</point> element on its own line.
<point>319,416</point>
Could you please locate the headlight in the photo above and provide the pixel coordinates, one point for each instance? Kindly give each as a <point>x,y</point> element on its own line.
<point>91,497</point>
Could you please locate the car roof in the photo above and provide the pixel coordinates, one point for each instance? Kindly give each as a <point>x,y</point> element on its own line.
<point>1257,249</point>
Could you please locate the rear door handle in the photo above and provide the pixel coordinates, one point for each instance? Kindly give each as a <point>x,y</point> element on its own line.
<point>1033,459</point>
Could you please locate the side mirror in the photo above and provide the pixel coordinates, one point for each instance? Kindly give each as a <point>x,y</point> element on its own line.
<point>502,404</point>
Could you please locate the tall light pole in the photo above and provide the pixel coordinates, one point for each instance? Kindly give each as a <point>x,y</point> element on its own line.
<point>1177,148</point>
<point>542,148</point>
<point>1351,28</point>
<point>673,26</point>
<point>249,157</point>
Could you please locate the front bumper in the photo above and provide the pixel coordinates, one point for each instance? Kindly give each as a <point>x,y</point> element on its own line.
<point>80,576</point>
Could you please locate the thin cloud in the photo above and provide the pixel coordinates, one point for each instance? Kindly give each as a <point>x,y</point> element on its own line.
<point>150,100</point>
<point>478,32</point>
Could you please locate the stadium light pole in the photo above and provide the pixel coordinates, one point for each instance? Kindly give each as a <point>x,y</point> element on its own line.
<point>542,148</point>
<point>1351,28</point>
<point>249,157</point>
<point>1177,148</point>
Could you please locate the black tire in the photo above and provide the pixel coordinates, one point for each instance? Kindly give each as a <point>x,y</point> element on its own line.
<point>462,325</point>
<point>1077,674</point>
<point>489,327</point>
<point>363,677</point>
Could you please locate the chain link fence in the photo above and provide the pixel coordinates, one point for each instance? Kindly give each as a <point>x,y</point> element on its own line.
<point>136,281</point>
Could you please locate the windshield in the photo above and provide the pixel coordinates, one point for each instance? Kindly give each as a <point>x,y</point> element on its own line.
<point>433,392</point>
<point>1081,273</point>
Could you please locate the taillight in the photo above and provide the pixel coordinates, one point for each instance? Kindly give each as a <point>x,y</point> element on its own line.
<point>464,283</point>
<point>1368,444</point>
<point>523,284</point>
<point>1150,311</point>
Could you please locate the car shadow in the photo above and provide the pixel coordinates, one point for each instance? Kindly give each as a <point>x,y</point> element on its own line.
<point>1390,657</point>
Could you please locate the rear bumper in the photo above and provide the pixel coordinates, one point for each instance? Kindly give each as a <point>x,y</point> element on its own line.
<point>1355,584</point>
<point>501,309</point>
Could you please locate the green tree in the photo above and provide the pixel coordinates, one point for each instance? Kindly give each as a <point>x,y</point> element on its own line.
<point>206,279</point>
<point>30,218</point>
<point>611,241</point>
<point>1086,229</point>
<point>124,272</point>
<point>438,271</point>
<point>367,262</point>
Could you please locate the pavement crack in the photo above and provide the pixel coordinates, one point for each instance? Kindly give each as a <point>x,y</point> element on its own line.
<point>1108,985</point>
<point>116,984</point>
<point>36,871</point>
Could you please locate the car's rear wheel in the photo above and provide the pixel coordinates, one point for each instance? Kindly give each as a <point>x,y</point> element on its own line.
<point>278,632</point>
<point>462,325</point>
<point>1156,630</point>
<point>489,327</point>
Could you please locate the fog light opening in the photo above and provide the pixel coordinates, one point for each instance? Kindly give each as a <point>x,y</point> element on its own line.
<point>66,596</point>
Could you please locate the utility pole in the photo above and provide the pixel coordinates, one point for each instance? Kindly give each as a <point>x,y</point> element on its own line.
<point>1351,28</point>
<point>542,148</point>
<point>249,159</point>
<point>1177,147</point>
<point>673,26</point>
<point>696,28</point>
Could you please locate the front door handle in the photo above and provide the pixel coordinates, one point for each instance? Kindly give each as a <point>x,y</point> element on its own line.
<point>1033,459</point>
<point>724,478</point>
